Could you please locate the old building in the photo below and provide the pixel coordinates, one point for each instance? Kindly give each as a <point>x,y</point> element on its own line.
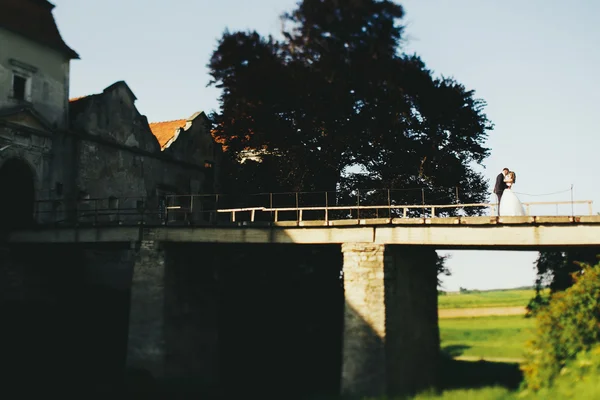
<point>58,157</point>
<point>60,161</point>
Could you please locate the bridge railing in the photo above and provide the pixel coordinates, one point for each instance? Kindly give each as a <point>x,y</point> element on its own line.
<point>275,207</point>
<point>376,211</point>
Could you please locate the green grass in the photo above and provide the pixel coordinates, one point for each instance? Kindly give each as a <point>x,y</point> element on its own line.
<point>495,298</point>
<point>485,337</point>
<point>492,393</point>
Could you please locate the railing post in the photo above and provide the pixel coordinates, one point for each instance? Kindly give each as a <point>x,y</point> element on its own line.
<point>300,216</point>
<point>144,211</point>
<point>432,212</point>
<point>423,200</point>
<point>216,208</point>
<point>252,215</point>
<point>271,203</point>
<point>389,199</point>
<point>191,221</point>
<point>276,215</point>
<point>590,208</point>
<point>326,210</point>
<point>233,216</point>
<point>297,215</point>
<point>119,211</point>
<point>358,204</point>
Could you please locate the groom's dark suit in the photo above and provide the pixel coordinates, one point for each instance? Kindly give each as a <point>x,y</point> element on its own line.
<point>499,188</point>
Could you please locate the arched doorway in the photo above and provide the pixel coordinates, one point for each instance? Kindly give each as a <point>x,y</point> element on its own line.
<point>17,194</point>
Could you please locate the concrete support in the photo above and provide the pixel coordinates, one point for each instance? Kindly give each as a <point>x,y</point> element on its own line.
<point>390,337</point>
<point>146,340</point>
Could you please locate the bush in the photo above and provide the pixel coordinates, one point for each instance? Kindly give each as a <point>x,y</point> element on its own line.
<point>577,380</point>
<point>569,324</point>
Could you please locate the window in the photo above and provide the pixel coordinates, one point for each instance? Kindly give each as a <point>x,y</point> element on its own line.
<point>19,87</point>
<point>208,164</point>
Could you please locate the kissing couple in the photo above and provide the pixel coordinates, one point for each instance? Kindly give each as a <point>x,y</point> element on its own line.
<point>508,202</point>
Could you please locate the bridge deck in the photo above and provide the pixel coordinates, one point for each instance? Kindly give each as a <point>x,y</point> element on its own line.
<point>517,233</point>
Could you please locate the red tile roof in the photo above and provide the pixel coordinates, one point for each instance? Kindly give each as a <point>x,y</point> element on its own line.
<point>74,99</point>
<point>165,130</point>
<point>33,19</point>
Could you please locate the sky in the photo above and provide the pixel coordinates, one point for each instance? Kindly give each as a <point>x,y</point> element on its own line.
<point>536,63</point>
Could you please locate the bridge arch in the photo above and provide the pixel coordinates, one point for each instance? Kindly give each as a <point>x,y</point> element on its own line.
<point>17,193</point>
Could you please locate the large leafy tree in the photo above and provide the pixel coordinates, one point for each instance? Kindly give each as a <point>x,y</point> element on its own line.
<point>336,106</point>
<point>555,270</point>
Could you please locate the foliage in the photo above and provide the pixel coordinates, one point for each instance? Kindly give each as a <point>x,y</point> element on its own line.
<point>492,298</point>
<point>485,337</point>
<point>579,379</point>
<point>491,393</point>
<point>554,271</point>
<point>442,268</point>
<point>336,106</point>
<point>569,324</point>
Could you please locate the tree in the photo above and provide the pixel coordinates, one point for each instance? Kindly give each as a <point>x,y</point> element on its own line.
<point>555,271</point>
<point>568,325</point>
<point>336,106</point>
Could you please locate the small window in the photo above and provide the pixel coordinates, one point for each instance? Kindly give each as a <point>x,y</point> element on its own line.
<point>19,87</point>
<point>208,164</point>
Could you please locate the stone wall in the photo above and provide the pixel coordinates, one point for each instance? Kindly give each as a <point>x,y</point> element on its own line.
<point>117,154</point>
<point>48,70</point>
<point>33,146</point>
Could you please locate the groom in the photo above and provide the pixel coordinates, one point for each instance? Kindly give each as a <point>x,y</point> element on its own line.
<point>500,186</point>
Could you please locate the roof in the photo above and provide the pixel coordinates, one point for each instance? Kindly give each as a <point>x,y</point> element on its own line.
<point>108,88</point>
<point>165,130</point>
<point>74,99</point>
<point>33,19</point>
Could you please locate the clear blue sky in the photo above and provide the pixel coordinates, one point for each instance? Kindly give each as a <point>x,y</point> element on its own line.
<point>536,63</point>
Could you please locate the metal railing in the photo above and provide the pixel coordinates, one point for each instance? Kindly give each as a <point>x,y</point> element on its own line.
<point>215,209</point>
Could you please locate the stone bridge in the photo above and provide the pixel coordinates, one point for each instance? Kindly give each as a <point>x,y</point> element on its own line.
<point>194,281</point>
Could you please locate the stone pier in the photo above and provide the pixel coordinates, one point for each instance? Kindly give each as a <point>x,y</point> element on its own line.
<point>391,335</point>
<point>146,340</point>
<point>173,318</point>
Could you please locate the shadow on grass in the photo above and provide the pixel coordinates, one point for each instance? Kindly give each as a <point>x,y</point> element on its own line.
<point>454,350</point>
<point>457,374</point>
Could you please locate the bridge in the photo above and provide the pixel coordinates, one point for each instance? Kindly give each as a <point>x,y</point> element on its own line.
<point>191,219</point>
<point>220,254</point>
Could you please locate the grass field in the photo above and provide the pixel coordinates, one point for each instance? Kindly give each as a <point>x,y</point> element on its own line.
<point>467,332</point>
<point>496,298</point>
<point>486,337</point>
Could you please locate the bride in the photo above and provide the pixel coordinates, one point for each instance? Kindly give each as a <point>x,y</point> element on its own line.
<point>510,205</point>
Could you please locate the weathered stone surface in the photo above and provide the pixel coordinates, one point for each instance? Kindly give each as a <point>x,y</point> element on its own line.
<point>47,70</point>
<point>391,339</point>
<point>192,318</point>
<point>146,344</point>
<point>412,340</point>
<point>363,348</point>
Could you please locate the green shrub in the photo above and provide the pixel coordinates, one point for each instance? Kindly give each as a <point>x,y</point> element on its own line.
<point>569,324</point>
<point>579,379</point>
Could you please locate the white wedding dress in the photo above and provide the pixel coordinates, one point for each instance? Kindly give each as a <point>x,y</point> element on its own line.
<point>510,205</point>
